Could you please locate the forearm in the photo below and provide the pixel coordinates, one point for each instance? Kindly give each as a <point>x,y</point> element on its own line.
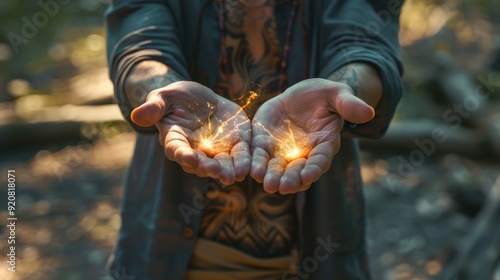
<point>363,79</point>
<point>145,77</point>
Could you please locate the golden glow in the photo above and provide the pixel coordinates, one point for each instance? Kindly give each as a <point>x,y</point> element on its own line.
<point>206,144</point>
<point>293,153</point>
<point>253,96</point>
<point>219,135</point>
<point>216,135</point>
<point>292,143</point>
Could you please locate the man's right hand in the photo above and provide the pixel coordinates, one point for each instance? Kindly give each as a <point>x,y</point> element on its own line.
<point>208,135</point>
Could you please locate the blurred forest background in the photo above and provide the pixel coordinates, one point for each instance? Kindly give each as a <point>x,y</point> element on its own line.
<point>432,187</point>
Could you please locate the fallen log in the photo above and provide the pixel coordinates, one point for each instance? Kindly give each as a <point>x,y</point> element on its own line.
<point>472,103</point>
<point>46,126</point>
<point>431,137</point>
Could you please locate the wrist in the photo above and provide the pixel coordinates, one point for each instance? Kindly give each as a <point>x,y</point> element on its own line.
<point>348,126</point>
<point>363,79</point>
<point>145,77</point>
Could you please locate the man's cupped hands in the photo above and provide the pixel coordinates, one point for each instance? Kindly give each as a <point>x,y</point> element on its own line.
<point>288,145</point>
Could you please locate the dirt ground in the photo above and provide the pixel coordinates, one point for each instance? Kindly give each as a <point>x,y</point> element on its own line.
<point>68,210</point>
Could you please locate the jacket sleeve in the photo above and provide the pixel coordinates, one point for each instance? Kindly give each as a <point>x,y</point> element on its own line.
<point>364,31</point>
<point>139,30</point>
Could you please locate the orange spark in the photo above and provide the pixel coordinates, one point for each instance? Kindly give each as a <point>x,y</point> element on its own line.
<point>215,134</point>
<point>291,144</point>
<point>250,99</point>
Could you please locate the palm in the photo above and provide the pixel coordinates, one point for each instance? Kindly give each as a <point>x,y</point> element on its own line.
<point>295,135</point>
<point>206,134</point>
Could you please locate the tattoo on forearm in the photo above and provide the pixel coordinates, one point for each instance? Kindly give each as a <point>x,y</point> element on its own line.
<point>348,75</point>
<point>141,83</point>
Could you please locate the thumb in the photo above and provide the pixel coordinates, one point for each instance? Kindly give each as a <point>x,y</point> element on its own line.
<point>352,108</point>
<point>149,113</point>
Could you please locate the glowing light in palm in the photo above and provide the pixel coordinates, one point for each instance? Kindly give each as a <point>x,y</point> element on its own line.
<point>291,143</point>
<point>217,135</point>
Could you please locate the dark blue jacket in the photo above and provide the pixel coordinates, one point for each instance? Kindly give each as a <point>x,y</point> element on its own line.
<point>162,206</point>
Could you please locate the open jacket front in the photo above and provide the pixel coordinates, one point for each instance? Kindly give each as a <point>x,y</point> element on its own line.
<point>162,205</point>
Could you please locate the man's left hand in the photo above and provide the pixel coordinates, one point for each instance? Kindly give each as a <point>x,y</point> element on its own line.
<point>296,134</point>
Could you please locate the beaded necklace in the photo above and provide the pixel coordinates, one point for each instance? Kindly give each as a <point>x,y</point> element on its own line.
<point>283,78</point>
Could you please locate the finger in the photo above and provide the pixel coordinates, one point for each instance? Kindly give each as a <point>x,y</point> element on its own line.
<point>352,108</point>
<point>242,160</point>
<point>203,169</point>
<point>208,167</point>
<point>304,188</point>
<point>258,169</point>
<point>318,162</point>
<point>291,181</point>
<point>227,174</point>
<point>149,113</point>
<point>177,148</point>
<point>196,171</point>
<point>275,170</point>
<point>191,170</point>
